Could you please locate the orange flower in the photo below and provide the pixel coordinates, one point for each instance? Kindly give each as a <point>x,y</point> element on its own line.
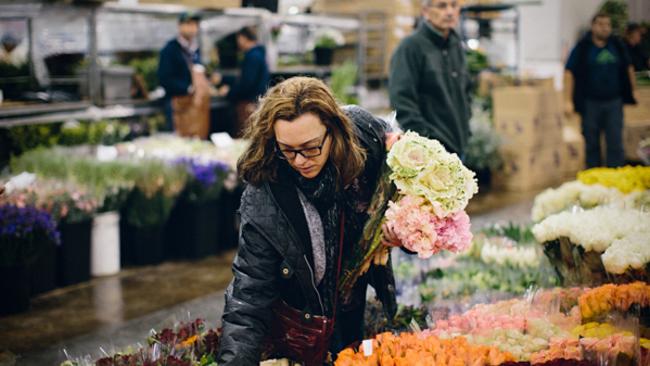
<point>409,349</point>
<point>604,299</point>
<point>189,341</point>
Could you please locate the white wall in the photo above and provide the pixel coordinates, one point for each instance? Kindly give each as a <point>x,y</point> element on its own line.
<point>548,32</point>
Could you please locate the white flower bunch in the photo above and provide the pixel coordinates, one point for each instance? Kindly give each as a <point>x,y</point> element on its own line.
<point>622,235</point>
<point>518,256</point>
<point>554,200</point>
<point>631,251</point>
<point>595,230</point>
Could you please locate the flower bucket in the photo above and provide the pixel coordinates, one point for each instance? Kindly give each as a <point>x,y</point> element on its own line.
<point>323,56</point>
<point>15,289</point>
<point>105,247</point>
<point>577,267</point>
<point>141,245</point>
<point>73,259</point>
<point>228,206</point>
<point>43,271</point>
<point>193,230</point>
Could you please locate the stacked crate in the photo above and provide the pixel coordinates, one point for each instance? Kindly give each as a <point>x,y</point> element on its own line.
<point>530,122</point>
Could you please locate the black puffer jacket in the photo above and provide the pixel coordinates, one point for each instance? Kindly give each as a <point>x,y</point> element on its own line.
<point>274,261</point>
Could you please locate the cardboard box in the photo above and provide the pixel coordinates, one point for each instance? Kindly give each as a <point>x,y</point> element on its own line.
<point>633,133</point>
<point>573,152</point>
<point>525,100</point>
<point>525,170</point>
<point>521,131</point>
<point>641,111</point>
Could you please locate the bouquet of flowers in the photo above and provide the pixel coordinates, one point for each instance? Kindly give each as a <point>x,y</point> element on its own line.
<point>206,178</point>
<point>418,349</point>
<point>421,197</point>
<point>598,245</point>
<point>64,201</point>
<point>23,232</point>
<point>186,344</point>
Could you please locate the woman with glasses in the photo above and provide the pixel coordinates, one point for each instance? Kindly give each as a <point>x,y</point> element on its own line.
<point>310,170</point>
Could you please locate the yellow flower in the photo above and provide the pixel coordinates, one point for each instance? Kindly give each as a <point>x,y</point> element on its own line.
<point>626,179</point>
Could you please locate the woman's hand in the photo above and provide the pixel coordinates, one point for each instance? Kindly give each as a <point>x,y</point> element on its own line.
<point>391,138</point>
<point>389,238</point>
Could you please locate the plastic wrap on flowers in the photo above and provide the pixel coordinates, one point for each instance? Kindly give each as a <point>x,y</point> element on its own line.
<point>602,245</point>
<point>575,266</point>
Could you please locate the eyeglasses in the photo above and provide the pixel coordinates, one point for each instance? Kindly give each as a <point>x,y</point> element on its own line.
<point>307,153</point>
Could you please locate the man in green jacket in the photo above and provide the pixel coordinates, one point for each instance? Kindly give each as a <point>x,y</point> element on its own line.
<point>429,81</point>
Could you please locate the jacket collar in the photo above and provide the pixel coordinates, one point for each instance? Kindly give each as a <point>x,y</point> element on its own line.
<point>427,30</point>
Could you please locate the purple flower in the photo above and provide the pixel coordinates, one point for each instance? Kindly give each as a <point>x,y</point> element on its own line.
<point>205,173</point>
<point>19,222</point>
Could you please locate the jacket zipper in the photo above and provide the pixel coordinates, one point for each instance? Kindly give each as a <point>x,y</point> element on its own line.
<point>313,283</point>
<point>311,271</point>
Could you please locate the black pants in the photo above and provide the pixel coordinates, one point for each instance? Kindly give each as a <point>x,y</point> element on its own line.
<point>598,116</point>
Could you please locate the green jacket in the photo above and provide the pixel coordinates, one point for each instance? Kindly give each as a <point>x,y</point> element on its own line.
<point>429,87</point>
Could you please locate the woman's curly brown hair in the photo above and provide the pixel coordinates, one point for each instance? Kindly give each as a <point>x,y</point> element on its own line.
<point>287,101</point>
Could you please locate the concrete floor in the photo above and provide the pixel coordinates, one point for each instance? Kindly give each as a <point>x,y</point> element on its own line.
<point>111,313</point>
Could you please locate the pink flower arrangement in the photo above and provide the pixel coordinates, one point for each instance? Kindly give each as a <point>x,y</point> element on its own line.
<point>414,222</point>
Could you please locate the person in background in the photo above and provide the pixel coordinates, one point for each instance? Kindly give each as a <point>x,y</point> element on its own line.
<point>633,36</point>
<point>177,60</point>
<point>252,82</point>
<point>428,82</point>
<point>599,79</point>
<point>310,169</point>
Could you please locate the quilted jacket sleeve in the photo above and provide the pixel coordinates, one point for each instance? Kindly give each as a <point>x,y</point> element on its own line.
<point>249,298</point>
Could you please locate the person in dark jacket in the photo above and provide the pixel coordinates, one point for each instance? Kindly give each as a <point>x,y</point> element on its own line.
<point>638,57</point>
<point>599,79</point>
<point>311,169</point>
<point>177,59</point>
<point>428,82</point>
<point>253,80</point>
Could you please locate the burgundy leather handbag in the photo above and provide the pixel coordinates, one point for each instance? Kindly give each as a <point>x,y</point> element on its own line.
<point>303,337</point>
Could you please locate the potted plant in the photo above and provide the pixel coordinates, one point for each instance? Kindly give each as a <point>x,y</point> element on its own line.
<point>324,47</point>
<point>24,232</point>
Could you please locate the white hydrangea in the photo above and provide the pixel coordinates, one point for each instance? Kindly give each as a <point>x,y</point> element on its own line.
<point>594,230</point>
<point>631,251</point>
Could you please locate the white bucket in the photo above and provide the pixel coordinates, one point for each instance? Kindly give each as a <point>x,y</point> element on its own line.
<point>105,249</point>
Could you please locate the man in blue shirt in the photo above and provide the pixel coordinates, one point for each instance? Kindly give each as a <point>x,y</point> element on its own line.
<point>600,79</point>
<point>177,59</point>
<point>252,82</point>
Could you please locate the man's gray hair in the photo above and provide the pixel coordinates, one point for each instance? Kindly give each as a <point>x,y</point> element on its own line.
<point>426,2</point>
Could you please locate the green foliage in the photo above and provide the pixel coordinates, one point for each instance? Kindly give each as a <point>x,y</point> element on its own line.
<point>518,233</point>
<point>376,321</point>
<point>473,276</point>
<point>476,61</point>
<point>148,68</point>
<point>105,132</point>
<point>325,41</point>
<point>617,10</point>
<point>24,138</point>
<point>342,81</point>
